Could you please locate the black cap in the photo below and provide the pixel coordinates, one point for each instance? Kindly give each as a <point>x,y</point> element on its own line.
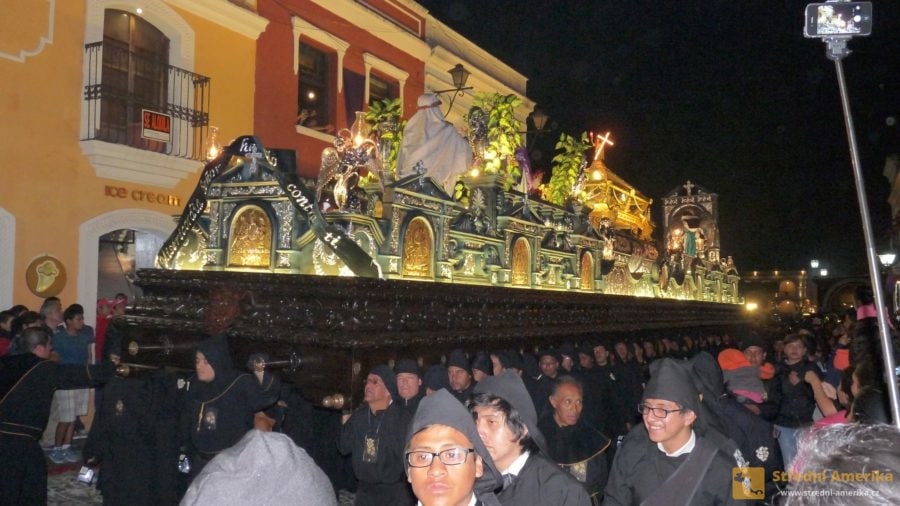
<point>671,380</point>
<point>388,377</point>
<point>510,359</point>
<point>549,352</point>
<point>407,365</point>
<point>458,358</point>
<point>436,378</point>
<point>482,362</point>
<point>752,340</point>
<point>567,350</point>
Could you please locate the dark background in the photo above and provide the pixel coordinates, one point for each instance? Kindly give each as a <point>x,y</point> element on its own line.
<point>727,94</point>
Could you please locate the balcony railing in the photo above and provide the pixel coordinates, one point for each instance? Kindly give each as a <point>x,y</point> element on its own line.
<point>120,83</point>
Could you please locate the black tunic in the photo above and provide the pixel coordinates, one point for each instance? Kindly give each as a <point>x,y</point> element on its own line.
<point>640,469</point>
<point>217,414</point>
<point>381,473</point>
<point>133,438</point>
<point>542,483</point>
<point>27,383</point>
<point>581,451</point>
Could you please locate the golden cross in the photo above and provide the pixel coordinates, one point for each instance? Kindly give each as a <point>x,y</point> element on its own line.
<point>600,141</point>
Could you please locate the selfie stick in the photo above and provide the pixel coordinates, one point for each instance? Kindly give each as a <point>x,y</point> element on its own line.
<point>837,51</point>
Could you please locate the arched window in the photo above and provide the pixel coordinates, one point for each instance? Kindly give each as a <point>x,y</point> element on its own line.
<point>418,249</point>
<point>587,272</point>
<point>521,263</point>
<point>250,239</point>
<point>135,71</point>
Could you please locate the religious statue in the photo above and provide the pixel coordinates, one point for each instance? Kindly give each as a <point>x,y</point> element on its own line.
<point>694,238</point>
<point>429,139</point>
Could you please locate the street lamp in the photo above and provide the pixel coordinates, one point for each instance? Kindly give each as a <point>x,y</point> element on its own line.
<point>459,75</point>
<point>887,259</point>
<point>539,119</point>
<point>814,263</point>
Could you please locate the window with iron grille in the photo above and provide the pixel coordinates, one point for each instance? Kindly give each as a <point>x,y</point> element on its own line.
<point>313,102</point>
<point>134,77</point>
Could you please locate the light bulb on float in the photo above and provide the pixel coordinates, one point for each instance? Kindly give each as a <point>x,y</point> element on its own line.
<point>213,148</point>
<point>359,131</point>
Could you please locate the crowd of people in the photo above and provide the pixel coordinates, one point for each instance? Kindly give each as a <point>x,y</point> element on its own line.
<point>681,419</point>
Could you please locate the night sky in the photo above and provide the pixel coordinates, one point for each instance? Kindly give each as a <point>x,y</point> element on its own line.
<point>727,94</point>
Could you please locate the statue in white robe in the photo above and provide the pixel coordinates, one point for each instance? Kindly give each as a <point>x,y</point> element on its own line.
<point>428,138</point>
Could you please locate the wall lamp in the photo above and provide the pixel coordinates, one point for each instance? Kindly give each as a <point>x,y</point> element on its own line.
<point>460,75</point>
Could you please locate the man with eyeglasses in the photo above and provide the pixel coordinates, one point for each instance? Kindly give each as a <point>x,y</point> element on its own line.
<point>447,464</point>
<point>664,460</point>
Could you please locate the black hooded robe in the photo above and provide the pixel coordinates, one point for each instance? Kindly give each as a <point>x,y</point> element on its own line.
<point>541,483</point>
<point>382,482</point>
<point>441,408</point>
<point>581,451</point>
<point>640,469</point>
<point>27,383</point>
<point>217,414</point>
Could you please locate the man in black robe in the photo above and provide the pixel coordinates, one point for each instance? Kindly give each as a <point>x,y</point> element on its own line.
<point>459,374</point>
<point>375,438</point>
<point>578,448</point>
<point>447,463</point>
<point>507,424</point>
<point>664,461</point>
<point>603,407</point>
<point>27,382</point>
<point>220,402</point>
<point>409,385</point>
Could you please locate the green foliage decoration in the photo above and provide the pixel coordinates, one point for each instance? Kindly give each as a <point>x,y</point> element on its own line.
<point>503,135</point>
<point>384,116</point>
<point>567,167</point>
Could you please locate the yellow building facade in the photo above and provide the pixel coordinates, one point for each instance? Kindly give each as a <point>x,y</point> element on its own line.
<point>108,106</point>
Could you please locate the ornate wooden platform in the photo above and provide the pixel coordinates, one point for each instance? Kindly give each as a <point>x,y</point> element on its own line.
<point>327,332</point>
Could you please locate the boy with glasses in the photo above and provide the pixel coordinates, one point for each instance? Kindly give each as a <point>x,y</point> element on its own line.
<point>664,460</point>
<point>446,462</point>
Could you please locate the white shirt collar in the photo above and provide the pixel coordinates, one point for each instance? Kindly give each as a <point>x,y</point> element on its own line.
<point>472,501</point>
<point>687,448</point>
<point>517,464</point>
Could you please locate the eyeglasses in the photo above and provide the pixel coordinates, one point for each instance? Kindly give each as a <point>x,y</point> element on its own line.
<point>657,412</point>
<point>448,457</point>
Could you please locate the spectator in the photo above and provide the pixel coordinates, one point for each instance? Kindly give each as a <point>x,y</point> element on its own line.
<point>6,321</point>
<point>73,343</point>
<point>52,313</point>
<point>794,394</point>
<point>846,450</point>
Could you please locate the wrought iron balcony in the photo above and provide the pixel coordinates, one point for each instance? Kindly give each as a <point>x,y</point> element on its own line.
<point>121,83</point>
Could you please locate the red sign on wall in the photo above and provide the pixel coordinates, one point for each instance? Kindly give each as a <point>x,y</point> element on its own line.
<point>156,125</point>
